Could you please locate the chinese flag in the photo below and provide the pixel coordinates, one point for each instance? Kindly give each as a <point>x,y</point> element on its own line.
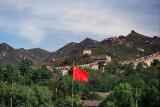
<point>80,74</point>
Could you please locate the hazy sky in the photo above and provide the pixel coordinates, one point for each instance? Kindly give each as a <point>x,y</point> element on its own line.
<point>50,24</point>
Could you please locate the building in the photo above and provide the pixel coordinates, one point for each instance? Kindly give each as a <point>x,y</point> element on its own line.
<point>87,52</point>
<point>89,103</point>
<point>108,58</point>
<point>101,58</point>
<point>95,103</point>
<point>140,49</point>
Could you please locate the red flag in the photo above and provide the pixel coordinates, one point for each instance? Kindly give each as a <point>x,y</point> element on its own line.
<point>80,74</point>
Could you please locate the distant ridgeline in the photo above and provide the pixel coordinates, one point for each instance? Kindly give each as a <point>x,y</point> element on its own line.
<point>121,48</point>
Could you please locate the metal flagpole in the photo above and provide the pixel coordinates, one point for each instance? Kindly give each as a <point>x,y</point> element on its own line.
<point>11,93</point>
<point>136,97</point>
<point>56,93</point>
<point>72,83</point>
<point>136,94</point>
<point>72,92</point>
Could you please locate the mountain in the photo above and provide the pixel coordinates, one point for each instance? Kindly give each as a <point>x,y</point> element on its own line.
<point>5,48</point>
<point>131,46</point>
<point>5,51</point>
<point>119,48</point>
<point>66,49</point>
<point>88,41</point>
<point>38,52</point>
<point>75,48</point>
<point>9,55</point>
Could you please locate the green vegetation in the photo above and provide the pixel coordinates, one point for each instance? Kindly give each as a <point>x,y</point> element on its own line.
<point>39,87</point>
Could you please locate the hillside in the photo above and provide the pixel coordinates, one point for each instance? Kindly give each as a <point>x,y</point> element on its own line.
<point>38,52</point>
<point>119,48</point>
<point>9,55</point>
<point>131,46</point>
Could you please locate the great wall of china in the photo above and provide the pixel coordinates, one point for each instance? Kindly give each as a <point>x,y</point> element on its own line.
<point>147,59</point>
<point>95,65</point>
<point>65,69</point>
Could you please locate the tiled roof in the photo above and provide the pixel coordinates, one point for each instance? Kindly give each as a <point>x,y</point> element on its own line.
<point>102,94</point>
<point>89,103</point>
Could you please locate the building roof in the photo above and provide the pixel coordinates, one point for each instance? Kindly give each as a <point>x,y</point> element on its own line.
<point>99,57</point>
<point>89,103</point>
<point>87,50</point>
<point>102,94</point>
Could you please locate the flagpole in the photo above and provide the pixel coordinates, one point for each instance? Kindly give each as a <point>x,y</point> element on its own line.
<point>72,83</point>
<point>72,92</point>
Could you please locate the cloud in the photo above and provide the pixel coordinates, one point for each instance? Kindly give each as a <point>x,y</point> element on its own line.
<point>34,19</point>
<point>11,5</point>
<point>85,16</point>
<point>30,31</point>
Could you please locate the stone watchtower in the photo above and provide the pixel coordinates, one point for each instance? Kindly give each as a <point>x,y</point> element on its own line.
<point>87,52</point>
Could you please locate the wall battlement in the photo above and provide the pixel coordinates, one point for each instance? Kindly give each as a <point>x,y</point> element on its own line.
<point>147,59</point>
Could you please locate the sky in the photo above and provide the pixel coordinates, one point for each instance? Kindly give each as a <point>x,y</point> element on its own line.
<point>50,24</point>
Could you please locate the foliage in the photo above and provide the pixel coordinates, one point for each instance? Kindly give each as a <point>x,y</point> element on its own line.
<point>25,66</point>
<point>120,97</point>
<point>150,97</point>
<point>39,87</point>
<point>87,95</point>
<point>99,81</point>
<point>68,101</point>
<point>43,95</point>
<point>9,74</point>
<point>39,76</point>
<point>3,93</point>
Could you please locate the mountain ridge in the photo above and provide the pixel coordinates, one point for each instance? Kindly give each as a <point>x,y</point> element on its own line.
<point>122,47</point>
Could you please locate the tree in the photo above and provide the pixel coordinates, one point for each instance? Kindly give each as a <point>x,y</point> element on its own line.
<point>63,87</point>
<point>43,96</point>
<point>7,74</point>
<point>23,96</point>
<point>150,97</point>
<point>39,76</point>
<point>111,67</point>
<point>3,94</point>
<point>129,70</point>
<point>138,84</point>
<point>31,96</point>
<point>25,66</point>
<point>99,81</point>
<point>156,63</point>
<point>121,96</point>
<point>108,104</point>
<point>68,100</point>
<point>10,74</point>
<point>87,95</point>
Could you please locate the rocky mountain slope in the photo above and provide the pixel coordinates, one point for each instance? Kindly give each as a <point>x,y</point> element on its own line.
<point>9,55</point>
<point>119,48</point>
